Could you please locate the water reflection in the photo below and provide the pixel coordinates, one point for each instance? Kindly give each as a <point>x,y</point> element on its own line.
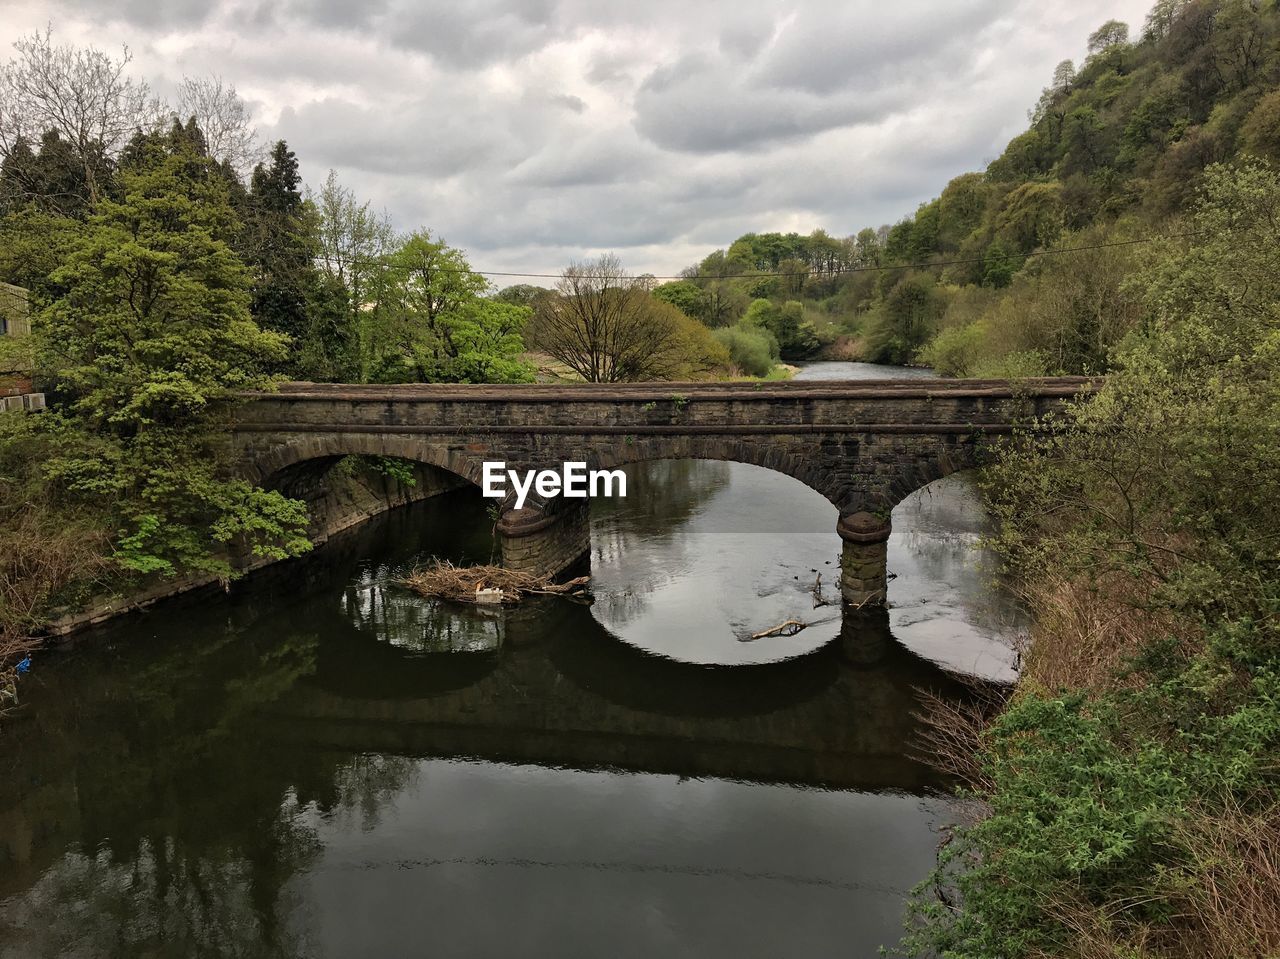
<point>945,602</point>
<point>324,764</point>
<point>377,608</point>
<point>743,557</point>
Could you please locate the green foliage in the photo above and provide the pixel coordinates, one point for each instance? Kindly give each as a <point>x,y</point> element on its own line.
<point>432,322</point>
<point>402,471</point>
<point>146,345</point>
<point>751,349</point>
<point>955,351</point>
<point>1260,133</point>
<point>1138,493</point>
<point>906,320</point>
<point>684,295</point>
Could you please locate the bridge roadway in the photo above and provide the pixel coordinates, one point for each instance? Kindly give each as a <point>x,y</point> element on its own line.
<point>863,444</point>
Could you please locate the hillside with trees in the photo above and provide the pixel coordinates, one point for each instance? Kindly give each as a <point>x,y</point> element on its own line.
<point>1022,269</point>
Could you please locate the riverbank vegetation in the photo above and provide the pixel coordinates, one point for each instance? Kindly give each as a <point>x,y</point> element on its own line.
<point>1130,788</point>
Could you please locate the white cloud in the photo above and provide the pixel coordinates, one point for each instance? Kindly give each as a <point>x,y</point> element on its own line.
<point>530,133</point>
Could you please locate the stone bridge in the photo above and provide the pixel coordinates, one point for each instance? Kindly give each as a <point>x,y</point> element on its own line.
<point>863,444</point>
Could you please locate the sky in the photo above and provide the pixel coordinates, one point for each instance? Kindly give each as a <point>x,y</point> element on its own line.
<point>536,133</point>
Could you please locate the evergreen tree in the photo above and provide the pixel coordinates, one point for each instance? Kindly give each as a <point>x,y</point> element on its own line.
<point>150,341</point>
<point>290,295</point>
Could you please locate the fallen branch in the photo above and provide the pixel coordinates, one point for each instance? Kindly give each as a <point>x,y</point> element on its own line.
<point>818,598</point>
<point>789,628</point>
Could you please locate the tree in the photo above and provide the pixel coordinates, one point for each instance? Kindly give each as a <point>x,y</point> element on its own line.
<point>82,93</point>
<point>52,180</point>
<point>684,295</point>
<point>352,242</point>
<point>1260,133</point>
<point>1064,75</point>
<point>1113,33</point>
<point>796,337</point>
<point>607,327</point>
<point>150,341</point>
<point>751,349</point>
<point>867,247</point>
<point>225,119</point>
<point>290,294</point>
<point>433,322</point>
<point>521,294</point>
<point>906,320</point>
<point>1161,18</point>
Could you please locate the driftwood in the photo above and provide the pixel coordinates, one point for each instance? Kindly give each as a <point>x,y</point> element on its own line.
<point>470,584</point>
<point>789,628</point>
<point>818,598</point>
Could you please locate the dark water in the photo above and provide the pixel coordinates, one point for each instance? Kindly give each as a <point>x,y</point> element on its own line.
<point>322,764</point>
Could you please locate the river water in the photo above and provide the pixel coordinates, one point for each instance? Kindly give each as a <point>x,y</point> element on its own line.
<point>323,764</point>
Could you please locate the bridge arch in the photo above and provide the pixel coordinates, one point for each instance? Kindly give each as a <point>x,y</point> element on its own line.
<point>263,466</point>
<point>864,446</point>
<point>911,470</point>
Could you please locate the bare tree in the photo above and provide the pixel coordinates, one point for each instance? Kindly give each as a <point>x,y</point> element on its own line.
<point>352,243</point>
<point>224,119</point>
<point>606,326</point>
<point>80,92</point>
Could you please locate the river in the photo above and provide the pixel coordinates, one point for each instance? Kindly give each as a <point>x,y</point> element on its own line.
<point>320,763</point>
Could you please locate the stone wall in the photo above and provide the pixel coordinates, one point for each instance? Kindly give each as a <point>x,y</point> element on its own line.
<point>864,445</point>
<point>545,543</point>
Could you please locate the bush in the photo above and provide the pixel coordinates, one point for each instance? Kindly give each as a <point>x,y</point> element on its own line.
<point>1128,788</point>
<point>955,351</point>
<point>752,350</point>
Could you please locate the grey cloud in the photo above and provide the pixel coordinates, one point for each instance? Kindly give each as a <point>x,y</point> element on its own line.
<point>143,14</point>
<point>530,133</point>
<point>422,142</point>
<point>473,34</point>
<point>824,69</point>
<point>596,159</point>
<point>701,105</point>
<point>823,52</point>
<point>744,40</point>
<point>570,102</point>
<point>342,14</point>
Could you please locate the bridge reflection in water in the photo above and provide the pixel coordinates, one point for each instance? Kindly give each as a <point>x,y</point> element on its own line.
<point>173,779</point>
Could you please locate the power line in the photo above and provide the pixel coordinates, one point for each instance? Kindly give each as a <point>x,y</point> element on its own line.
<point>839,271</point>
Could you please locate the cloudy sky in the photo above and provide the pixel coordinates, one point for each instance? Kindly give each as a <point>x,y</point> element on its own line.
<point>531,133</point>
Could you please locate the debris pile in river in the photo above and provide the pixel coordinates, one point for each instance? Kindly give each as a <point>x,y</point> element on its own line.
<point>489,584</point>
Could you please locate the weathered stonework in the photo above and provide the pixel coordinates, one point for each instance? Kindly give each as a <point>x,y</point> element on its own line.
<point>863,571</point>
<point>544,541</point>
<point>864,445</point>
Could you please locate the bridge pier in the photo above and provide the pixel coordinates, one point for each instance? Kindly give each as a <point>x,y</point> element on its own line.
<point>864,558</point>
<point>545,540</point>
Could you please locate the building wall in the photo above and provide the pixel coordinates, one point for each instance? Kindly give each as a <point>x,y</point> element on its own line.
<point>16,389</point>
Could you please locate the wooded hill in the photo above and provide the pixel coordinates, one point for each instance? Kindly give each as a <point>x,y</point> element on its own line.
<point>1115,152</point>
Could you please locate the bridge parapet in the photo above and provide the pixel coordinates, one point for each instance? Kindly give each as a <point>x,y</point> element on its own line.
<point>864,444</point>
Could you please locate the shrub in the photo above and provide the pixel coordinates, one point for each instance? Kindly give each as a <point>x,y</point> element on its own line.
<point>752,350</point>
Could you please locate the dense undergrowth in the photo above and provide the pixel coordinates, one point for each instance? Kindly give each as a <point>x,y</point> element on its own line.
<point>1130,789</point>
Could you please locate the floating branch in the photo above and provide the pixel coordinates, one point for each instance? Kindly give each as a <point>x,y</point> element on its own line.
<point>789,628</point>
